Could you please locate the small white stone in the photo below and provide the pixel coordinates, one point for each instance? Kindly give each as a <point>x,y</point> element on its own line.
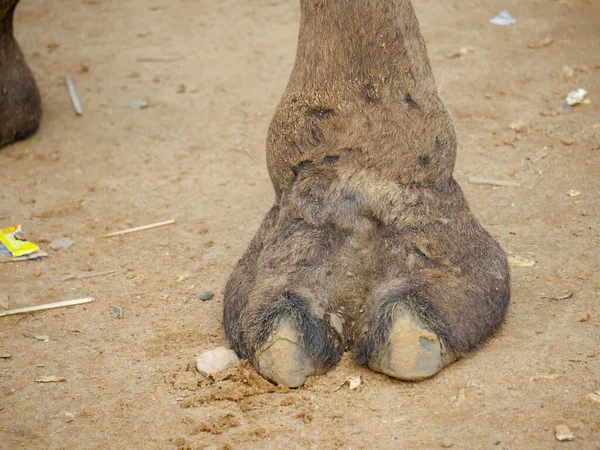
<point>503,19</point>
<point>563,433</point>
<point>216,360</point>
<point>354,382</point>
<point>576,97</point>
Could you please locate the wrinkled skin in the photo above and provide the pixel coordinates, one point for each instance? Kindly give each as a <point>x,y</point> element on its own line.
<point>370,246</point>
<point>20,105</point>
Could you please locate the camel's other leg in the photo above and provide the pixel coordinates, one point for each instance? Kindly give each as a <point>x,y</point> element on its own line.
<point>20,104</point>
<point>275,312</point>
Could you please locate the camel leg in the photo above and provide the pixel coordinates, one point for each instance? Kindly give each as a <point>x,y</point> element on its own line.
<point>371,246</point>
<point>20,104</point>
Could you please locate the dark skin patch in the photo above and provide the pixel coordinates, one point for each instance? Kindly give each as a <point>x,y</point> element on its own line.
<point>314,136</point>
<point>303,165</point>
<point>369,93</point>
<point>410,102</point>
<point>424,161</point>
<point>330,160</point>
<point>438,146</point>
<point>320,113</point>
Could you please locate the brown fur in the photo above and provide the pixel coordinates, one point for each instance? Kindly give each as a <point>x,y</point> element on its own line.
<point>367,218</point>
<point>20,105</point>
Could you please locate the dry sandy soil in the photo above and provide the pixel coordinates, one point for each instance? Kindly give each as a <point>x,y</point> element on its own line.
<point>212,74</point>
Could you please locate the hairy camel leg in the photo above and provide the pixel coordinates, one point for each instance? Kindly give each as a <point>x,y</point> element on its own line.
<point>361,151</point>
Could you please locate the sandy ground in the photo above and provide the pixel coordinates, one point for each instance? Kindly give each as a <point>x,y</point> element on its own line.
<point>211,74</point>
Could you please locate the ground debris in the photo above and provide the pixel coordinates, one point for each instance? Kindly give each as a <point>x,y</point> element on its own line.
<point>213,361</point>
<point>551,112</point>
<point>520,261</point>
<point>460,52</point>
<point>545,43</point>
<point>206,296</point>
<point>140,103</point>
<point>564,296</point>
<point>188,380</point>
<point>90,274</point>
<point>41,337</point>
<point>5,355</point>
<point>492,182</point>
<point>518,126</point>
<point>567,71</point>
<point>563,433</point>
<point>52,305</point>
<point>354,382</point>
<point>140,228</point>
<point>183,277</point>
<point>117,312</point>
<point>217,426</point>
<point>50,379</point>
<point>573,193</point>
<point>62,244</point>
<point>567,142</point>
<point>503,19</point>
<point>594,396</point>
<point>233,384</point>
<point>550,376</point>
<point>586,318</point>
<point>460,398</point>
<point>73,96</point>
<point>576,97</point>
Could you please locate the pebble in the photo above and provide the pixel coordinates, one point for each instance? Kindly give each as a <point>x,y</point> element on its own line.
<point>69,417</point>
<point>5,356</point>
<point>563,433</point>
<point>117,312</point>
<point>354,382</point>
<point>576,97</point>
<point>518,126</point>
<point>62,244</point>
<point>446,443</point>
<point>520,261</point>
<point>140,103</point>
<point>41,337</point>
<point>206,296</point>
<point>594,396</point>
<point>216,360</point>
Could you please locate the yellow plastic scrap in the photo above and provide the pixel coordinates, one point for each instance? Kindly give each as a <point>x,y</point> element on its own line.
<point>14,240</point>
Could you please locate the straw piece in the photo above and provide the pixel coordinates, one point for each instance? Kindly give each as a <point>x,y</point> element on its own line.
<point>143,227</point>
<point>73,95</point>
<point>60,304</point>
